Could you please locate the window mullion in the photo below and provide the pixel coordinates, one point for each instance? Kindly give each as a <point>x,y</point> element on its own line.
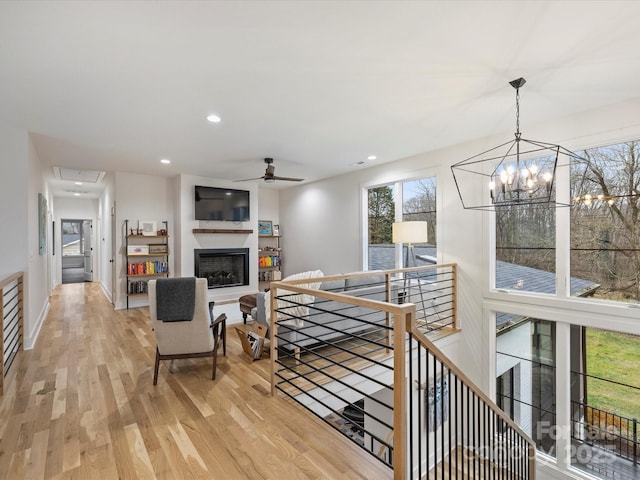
<point>563,218</point>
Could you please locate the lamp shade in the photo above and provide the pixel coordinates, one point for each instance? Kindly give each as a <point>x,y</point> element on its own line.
<point>409,232</point>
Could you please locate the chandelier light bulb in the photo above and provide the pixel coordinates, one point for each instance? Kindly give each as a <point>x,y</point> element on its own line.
<point>547,176</point>
<point>525,173</point>
<point>600,197</point>
<point>492,185</point>
<point>504,176</point>
<point>530,183</point>
<point>533,169</point>
<point>610,202</point>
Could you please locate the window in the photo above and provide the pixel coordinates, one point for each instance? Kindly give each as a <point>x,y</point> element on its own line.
<point>605,387</point>
<point>418,200</point>
<point>605,221</point>
<point>72,238</point>
<point>526,377</point>
<point>525,248</point>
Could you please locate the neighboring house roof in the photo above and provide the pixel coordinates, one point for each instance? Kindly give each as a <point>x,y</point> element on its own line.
<point>69,238</point>
<point>509,276</point>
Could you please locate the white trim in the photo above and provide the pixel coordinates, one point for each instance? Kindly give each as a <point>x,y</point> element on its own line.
<point>30,341</point>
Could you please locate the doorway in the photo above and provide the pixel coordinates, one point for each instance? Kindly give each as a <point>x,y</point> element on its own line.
<point>77,251</point>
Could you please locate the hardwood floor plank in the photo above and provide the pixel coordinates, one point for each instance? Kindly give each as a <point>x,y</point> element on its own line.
<point>141,460</point>
<point>81,405</point>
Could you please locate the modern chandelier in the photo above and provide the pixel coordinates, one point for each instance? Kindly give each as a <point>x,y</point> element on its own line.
<point>517,172</point>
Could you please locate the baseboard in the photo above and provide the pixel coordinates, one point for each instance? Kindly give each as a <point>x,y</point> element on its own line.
<point>30,341</point>
<point>107,292</point>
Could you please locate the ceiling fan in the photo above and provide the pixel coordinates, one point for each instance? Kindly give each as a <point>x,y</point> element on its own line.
<point>269,174</point>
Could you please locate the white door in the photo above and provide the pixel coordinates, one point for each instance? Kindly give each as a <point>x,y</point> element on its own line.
<point>87,233</point>
<point>113,255</point>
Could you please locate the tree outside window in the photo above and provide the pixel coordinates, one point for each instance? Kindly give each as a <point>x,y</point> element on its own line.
<point>605,221</point>
<point>418,199</point>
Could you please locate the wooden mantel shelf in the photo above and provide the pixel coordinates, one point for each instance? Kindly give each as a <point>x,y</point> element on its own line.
<point>219,230</point>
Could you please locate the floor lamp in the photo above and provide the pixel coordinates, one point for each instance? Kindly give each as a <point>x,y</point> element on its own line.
<point>410,233</point>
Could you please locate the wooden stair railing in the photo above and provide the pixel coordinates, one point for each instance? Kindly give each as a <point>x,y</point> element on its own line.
<point>11,313</point>
<point>492,444</point>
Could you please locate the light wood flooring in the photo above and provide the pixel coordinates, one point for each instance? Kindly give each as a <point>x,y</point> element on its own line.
<point>82,405</point>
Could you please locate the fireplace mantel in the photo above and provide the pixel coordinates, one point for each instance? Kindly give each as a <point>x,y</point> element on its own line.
<point>219,230</point>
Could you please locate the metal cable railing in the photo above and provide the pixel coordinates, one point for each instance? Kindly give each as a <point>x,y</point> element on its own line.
<point>11,312</point>
<point>353,351</point>
<point>455,431</point>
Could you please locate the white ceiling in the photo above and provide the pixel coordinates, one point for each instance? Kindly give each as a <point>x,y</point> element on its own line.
<point>318,85</point>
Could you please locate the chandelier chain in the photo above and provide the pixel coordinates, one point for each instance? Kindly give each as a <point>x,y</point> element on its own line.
<point>518,113</point>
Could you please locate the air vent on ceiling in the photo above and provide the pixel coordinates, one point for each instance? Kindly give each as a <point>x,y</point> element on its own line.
<point>76,175</point>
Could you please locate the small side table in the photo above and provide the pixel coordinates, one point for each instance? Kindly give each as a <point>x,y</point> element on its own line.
<point>247,303</point>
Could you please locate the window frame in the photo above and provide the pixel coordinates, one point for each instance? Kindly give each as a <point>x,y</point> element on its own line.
<point>397,185</point>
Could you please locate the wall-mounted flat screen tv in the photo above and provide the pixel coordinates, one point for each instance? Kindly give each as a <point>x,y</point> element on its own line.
<point>225,204</point>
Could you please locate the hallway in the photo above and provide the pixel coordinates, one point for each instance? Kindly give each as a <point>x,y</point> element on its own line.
<point>82,405</point>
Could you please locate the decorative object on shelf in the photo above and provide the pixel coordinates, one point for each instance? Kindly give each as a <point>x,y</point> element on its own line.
<point>137,249</point>
<point>148,228</point>
<point>265,228</point>
<point>276,230</point>
<point>409,233</point>
<point>158,248</point>
<point>517,172</point>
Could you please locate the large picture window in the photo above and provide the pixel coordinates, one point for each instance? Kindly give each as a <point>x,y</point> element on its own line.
<point>418,201</point>
<point>605,221</point>
<point>525,248</point>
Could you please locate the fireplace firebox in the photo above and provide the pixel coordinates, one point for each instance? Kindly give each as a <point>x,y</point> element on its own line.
<point>222,267</point>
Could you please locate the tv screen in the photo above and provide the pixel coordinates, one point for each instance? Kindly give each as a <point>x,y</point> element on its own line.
<point>221,204</point>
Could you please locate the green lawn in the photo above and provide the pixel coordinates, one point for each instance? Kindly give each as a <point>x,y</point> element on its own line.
<point>614,356</point>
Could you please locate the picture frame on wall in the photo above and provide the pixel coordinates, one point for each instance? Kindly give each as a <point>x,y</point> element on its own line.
<point>265,228</point>
<point>276,230</point>
<point>42,224</point>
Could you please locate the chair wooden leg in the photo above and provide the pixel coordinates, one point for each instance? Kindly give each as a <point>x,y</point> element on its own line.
<point>223,335</point>
<point>155,372</point>
<point>215,360</point>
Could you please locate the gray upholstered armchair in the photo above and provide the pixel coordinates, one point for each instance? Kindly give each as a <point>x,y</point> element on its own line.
<point>182,321</point>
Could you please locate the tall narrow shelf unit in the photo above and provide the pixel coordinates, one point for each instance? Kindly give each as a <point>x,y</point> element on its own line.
<point>269,260</point>
<point>147,257</point>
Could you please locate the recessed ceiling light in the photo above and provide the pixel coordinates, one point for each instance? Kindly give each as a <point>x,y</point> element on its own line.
<point>213,118</point>
<point>78,183</point>
<point>165,161</point>
<point>76,194</point>
<point>371,157</point>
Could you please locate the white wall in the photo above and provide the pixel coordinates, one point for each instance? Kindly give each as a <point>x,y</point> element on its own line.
<point>140,197</point>
<point>269,205</point>
<point>38,277</point>
<point>13,201</point>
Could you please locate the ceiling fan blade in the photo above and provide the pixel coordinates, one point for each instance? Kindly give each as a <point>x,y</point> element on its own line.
<point>249,179</point>
<point>288,179</point>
